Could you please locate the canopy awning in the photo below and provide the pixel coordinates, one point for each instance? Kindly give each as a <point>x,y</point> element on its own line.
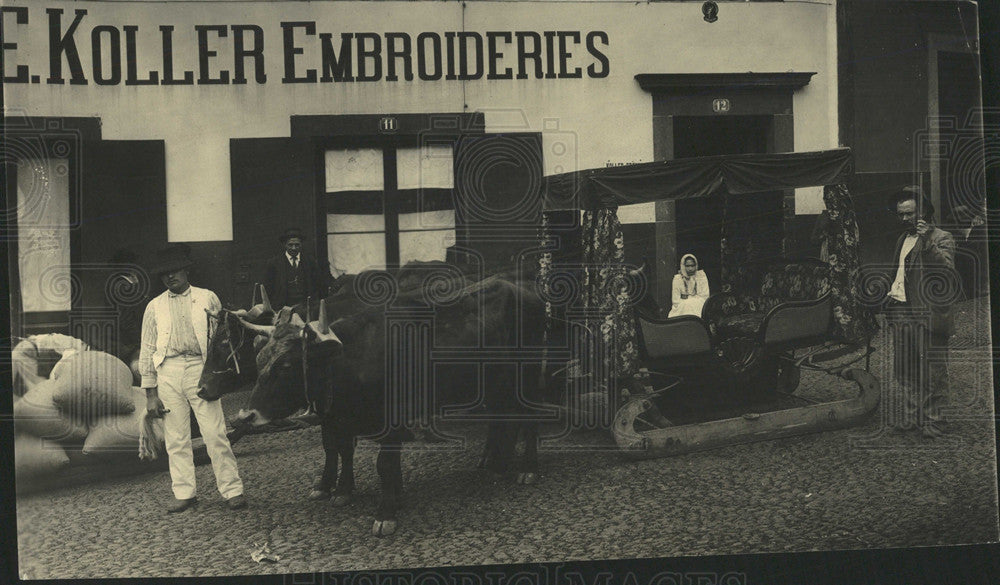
<point>694,177</point>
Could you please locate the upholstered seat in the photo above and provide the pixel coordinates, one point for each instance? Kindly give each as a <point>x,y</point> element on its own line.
<point>743,325</point>
<point>742,313</point>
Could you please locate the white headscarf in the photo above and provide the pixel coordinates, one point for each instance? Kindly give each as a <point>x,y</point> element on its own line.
<point>690,282</point>
<point>685,257</point>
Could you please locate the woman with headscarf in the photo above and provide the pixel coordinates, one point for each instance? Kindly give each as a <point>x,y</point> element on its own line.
<point>690,288</point>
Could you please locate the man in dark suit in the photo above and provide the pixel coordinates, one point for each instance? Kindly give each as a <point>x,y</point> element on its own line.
<point>293,276</point>
<point>919,311</point>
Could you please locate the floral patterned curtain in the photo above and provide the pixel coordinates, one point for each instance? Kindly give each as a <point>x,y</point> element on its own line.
<point>605,289</point>
<point>852,320</point>
<point>545,271</point>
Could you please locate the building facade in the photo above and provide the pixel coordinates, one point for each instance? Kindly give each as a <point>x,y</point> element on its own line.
<point>390,131</point>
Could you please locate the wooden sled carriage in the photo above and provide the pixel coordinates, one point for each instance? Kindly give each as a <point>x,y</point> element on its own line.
<point>775,319</point>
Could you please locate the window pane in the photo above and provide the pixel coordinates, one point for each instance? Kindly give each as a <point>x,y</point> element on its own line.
<point>354,169</point>
<point>431,245</point>
<point>637,213</point>
<point>428,167</point>
<point>43,234</point>
<point>336,222</point>
<point>442,219</point>
<point>352,253</point>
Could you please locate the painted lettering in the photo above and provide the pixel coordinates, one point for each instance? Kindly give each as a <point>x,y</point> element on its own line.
<point>364,54</point>
<point>167,33</point>
<point>356,57</point>
<point>20,17</point>
<point>131,60</point>
<point>291,50</point>
<point>401,53</point>
<point>495,55</point>
<point>550,54</point>
<point>435,50</point>
<point>241,53</point>
<point>337,68</point>
<point>523,54</point>
<point>592,71</point>
<point>463,56</point>
<point>565,54</point>
<point>449,38</point>
<point>114,52</point>
<point>205,55</point>
<point>64,43</point>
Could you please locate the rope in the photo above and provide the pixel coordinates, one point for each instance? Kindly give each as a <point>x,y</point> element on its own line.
<point>305,361</point>
<point>148,441</point>
<point>233,350</point>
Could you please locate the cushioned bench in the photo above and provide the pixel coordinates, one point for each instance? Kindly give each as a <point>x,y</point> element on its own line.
<point>799,288</point>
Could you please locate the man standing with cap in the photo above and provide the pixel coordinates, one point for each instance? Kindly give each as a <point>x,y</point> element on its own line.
<point>175,334</point>
<point>919,313</point>
<point>293,276</point>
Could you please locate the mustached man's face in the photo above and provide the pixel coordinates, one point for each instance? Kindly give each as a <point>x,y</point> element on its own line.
<point>293,246</point>
<point>906,213</point>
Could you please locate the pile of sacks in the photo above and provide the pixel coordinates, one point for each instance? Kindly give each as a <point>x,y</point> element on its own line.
<point>34,357</point>
<point>86,406</point>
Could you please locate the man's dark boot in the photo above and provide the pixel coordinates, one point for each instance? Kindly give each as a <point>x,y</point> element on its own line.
<point>181,505</point>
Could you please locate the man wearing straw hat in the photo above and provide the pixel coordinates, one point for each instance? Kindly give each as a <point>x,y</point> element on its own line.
<point>919,312</point>
<point>175,333</point>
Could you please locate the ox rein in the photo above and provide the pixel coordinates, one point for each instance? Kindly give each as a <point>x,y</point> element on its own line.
<point>305,360</point>
<point>229,342</point>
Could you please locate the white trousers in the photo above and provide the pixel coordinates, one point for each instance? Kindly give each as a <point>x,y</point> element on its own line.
<point>177,380</point>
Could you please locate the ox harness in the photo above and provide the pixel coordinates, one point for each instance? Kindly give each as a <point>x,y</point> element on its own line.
<point>229,342</point>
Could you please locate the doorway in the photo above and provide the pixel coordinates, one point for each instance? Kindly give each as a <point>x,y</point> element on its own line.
<point>702,222</point>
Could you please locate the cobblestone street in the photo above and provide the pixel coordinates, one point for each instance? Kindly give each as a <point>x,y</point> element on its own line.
<point>851,489</point>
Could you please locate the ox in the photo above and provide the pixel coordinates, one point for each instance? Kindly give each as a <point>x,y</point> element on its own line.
<point>354,371</point>
<point>231,361</point>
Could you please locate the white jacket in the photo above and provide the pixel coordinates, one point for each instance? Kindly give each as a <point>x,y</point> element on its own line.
<point>156,330</point>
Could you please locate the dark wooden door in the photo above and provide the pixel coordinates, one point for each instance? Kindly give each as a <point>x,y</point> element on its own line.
<point>702,222</point>
<point>274,188</point>
<point>122,222</point>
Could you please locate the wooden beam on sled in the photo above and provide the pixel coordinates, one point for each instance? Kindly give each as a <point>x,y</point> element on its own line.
<point>749,428</point>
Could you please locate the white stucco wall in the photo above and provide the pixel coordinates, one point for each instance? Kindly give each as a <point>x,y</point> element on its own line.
<point>589,121</point>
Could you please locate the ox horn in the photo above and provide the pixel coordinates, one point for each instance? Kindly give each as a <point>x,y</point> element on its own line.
<point>265,300</point>
<point>258,329</point>
<point>322,326</point>
<point>324,323</point>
